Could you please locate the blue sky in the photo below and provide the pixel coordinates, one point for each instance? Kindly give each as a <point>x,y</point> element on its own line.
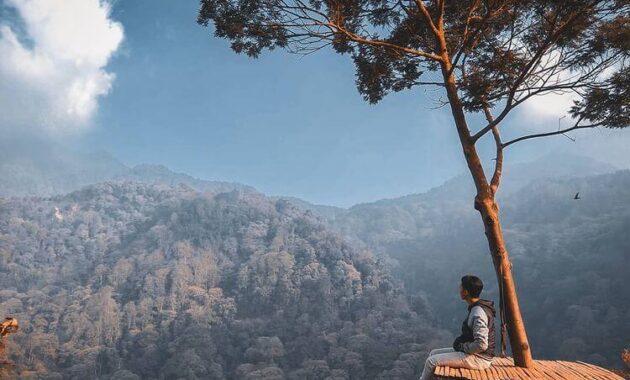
<point>283,123</point>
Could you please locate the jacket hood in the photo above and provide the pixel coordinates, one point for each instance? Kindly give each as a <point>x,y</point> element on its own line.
<point>486,304</point>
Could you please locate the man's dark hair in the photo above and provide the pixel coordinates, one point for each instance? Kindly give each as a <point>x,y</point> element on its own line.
<point>473,285</point>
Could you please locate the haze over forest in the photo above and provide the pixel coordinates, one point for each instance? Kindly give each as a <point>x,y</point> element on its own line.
<point>150,273</point>
<point>171,210</point>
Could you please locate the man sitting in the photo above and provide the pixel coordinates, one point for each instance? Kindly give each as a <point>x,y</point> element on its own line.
<point>474,348</point>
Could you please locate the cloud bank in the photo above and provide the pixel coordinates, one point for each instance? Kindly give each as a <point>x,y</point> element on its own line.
<point>53,67</point>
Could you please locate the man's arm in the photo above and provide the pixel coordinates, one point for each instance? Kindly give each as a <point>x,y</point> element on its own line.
<point>480,332</point>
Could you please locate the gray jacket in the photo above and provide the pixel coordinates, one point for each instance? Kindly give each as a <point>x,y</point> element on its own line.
<point>478,330</point>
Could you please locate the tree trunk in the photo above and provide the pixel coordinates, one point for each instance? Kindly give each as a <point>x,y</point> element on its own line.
<point>503,268</point>
<point>486,205</point>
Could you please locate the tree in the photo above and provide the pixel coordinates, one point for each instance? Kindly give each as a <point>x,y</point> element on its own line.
<point>486,55</point>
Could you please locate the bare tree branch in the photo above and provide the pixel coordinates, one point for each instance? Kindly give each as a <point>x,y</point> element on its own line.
<point>559,132</point>
<point>534,61</point>
<point>361,40</point>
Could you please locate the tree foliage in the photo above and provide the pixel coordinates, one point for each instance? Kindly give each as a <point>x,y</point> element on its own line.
<point>501,53</point>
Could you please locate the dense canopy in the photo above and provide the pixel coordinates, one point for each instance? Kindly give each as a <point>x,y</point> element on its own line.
<point>501,52</point>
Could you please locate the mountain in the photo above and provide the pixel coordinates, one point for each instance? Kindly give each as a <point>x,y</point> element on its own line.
<point>328,212</point>
<point>130,280</point>
<point>420,214</point>
<point>515,176</point>
<point>46,169</point>
<point>570,257</point>
<point>159,174</point>
<point>40,169</point>
<point>121,241</point>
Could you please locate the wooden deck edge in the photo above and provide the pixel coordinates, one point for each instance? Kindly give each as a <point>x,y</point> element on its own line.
<point>504,369</point>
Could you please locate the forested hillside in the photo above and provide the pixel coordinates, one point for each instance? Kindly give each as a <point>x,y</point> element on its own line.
<point>127,281</point>
<point>570,257</point>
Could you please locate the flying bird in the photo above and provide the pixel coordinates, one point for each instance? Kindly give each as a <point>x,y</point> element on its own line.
<point>577,195</point>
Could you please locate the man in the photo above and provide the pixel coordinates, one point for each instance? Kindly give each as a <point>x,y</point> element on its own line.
<point>474,348</point>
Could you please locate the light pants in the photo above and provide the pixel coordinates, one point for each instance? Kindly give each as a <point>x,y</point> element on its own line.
<point>454,359</point>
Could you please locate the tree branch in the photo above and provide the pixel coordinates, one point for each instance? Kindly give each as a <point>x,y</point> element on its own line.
<point>559,132</point>
<point>498,166</point>
<point>358,39</point>
<point>534,61</point>
<point>427,15</point>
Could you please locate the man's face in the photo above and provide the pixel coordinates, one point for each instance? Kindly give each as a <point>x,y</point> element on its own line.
<point>463,293</point>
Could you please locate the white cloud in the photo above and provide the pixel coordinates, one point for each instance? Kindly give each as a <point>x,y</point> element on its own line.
<point>53,82</point>
<point>539,112</point>
<point>550,112</point>
<point>549,107</point>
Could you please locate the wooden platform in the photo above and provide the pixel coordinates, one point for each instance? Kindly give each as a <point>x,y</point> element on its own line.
<point>504,369</point>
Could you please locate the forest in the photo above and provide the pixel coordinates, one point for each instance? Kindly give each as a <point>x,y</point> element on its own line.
<point>117,271</point>
<point>570,257</point>
<point>124,280</point>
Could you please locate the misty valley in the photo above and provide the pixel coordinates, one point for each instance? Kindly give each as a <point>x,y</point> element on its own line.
<point>315,189</point>
<point>148,277</point>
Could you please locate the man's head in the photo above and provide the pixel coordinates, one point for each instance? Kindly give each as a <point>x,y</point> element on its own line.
<point>470,287</point>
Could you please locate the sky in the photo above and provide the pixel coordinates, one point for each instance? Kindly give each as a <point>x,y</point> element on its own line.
<point>141,80</point>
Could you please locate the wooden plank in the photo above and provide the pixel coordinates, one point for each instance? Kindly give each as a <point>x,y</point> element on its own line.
<point>441,371</point>
<point>520,373</point>
<point>465,372</point>
<point>452,372</point>
<point>536,373</point>
<point>504,375</point>
<point>459,373</point>
<point>550,371</point>
<point>490,374</point>
<point>448,372</point>
<point>581,371</point>
<point>604,373</point>
<point>474,374</point>
<point>483,374</point>
<point>498,367</point>
<point>494,373</point>
<point>553,368</point>
<point>560,370</point>
<point>528,373</point>
<point>609,374</point>
<point>504,369</point>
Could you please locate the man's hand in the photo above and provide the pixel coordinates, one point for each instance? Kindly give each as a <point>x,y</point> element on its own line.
<point>457,344</point>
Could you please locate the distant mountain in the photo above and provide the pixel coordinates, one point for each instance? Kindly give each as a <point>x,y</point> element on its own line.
<point>41,169</point>
<point>44,169</point>
<point>555,166</point>
<point>570,257</point>
<point>328,212</point>
<point>415,215</point>
<point>159,174</point>
<point>570,261</point>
